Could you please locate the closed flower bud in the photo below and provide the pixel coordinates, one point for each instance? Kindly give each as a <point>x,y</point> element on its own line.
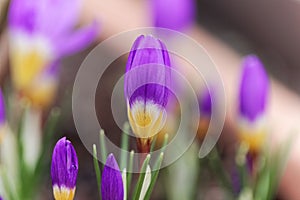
<point>111,182</point>
<point>253,96</point>
<point>64,170</point>
<point>146,80</point>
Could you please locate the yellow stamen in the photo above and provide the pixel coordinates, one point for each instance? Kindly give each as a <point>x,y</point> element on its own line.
<point>146,120</point>
<point>63,193</point>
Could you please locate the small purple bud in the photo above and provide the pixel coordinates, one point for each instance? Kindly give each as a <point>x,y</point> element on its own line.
<point>112,183</point>
<point>254,89</point>
<point>64,170</point>
<point>173,14</point>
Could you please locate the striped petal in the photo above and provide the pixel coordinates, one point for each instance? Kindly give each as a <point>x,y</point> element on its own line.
<point>64,170</point>
<point>112,184</point>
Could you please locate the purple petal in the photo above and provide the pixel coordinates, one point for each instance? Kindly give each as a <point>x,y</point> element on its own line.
<point>23,15</point>
<point>46,17</point>
<point>78,40</point>
<point>58,17</point>
<point>64,167</point>
<point>53,20</point>
<point>254,88</point>
<point>149,51</point>
<point>112,184</point>
<point>173,14</point>
<point>2,109</point>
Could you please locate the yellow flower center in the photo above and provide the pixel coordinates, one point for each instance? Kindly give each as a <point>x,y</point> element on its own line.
<point>63,193</point>
<point>147,119</point>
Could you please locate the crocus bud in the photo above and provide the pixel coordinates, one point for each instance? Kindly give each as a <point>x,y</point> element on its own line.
<point>64,170</point>
<point>146,80</point>
<point>254,90</point>
<point>111,182</point>
<point>173,14</point>
<point>40,33</point>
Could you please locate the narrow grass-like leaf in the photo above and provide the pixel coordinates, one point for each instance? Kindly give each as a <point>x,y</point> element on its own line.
<point>277,165</point>
<point>124,178</point>
<point>166,139</point>
<point>97,169</point>
<point>140,181</point>
<point>49,130</point>
<point>103,146</point>
<point>154,176</point>
<point>7,186</point>
<point>153,143</point>
<point>124,146</point>
<point>130,166</point>
<point>146,183</point>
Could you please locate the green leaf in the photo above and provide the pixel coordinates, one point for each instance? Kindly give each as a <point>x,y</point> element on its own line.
<point>97,169</point>
<point>129,173</point>
<point>154,176</point>
<point>140,181</point>
<point>124,146</point>
<point>103,146</point>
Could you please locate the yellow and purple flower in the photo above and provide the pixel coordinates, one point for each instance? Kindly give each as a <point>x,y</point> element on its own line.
<point>253,96</point>
<point>64,170</point>
<point>146,87</point>
<point>173,14</point>
<point>112,183</point>
<point>40,34</point>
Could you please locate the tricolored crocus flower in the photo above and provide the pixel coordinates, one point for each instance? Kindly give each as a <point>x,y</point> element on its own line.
<point>111,182</point>
<point>146,88</point>
<point>205,106</point>
<point>173,14</point>
<point>40,33</point>
<point>254,90</point>
<point>64,170</point>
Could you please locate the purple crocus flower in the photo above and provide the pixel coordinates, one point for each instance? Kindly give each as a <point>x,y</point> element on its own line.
<point>146,85</point>
<point>64,170</point>
<point>112,183</point>
<point>253,95</point>
<point>2,110</point>
<point>173,14</point>
<point>40,33</point>
<point>254,89</point>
